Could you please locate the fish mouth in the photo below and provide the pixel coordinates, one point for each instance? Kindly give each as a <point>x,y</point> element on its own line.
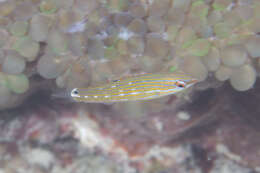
<point>192,81</point>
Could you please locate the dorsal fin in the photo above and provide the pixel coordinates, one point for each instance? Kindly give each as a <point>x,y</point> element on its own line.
<point>125,76</point>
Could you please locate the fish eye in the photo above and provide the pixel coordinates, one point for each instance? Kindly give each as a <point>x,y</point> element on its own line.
<point>180,84</point>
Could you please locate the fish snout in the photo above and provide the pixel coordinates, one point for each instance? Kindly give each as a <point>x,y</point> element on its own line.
<point>192,82</point>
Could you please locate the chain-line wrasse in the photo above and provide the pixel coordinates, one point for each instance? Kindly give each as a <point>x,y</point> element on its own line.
<point>139,87</point>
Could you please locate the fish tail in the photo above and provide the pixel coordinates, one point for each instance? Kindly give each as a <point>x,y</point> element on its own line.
<point>62,94</point>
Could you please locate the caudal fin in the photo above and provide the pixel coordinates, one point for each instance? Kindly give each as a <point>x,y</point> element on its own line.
<point>63,94</point>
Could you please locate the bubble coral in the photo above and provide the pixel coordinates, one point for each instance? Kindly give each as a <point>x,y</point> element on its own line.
<point>204,38</point>
<point>54,46</point>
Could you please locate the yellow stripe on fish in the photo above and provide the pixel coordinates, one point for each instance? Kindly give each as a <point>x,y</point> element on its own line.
<point>139,87</point>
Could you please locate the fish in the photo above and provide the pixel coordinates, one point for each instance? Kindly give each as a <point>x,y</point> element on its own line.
<point>135,88</point>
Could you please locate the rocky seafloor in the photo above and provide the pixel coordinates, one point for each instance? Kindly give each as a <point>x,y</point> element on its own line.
<point>48,47</point>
